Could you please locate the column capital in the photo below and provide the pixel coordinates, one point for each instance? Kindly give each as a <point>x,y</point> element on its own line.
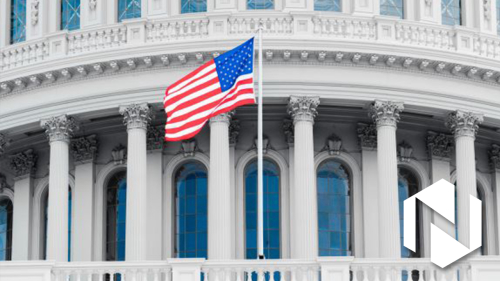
<point>84,149</point>
<point>154,139</point>
<point>234,131</point>
<point>439,145</point>
<point>464,123</point>
<point>136,116</point>
<point>288,130</point>
<point>4,142</point>
<point>59,128</point>
<point>367,134</point>
<point>303,108</point>
<point>223,117</point>
<point>386,113</point>
<point>495,156</point>
<point>3,183</point>
<point>23,164</point>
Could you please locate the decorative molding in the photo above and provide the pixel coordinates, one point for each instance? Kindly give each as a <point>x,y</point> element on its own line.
<point>288,130</point>
<point>439,145</point>
<point>495,156</point>
<point>487,9</point>
<point>35,7</point>
<point>464,123</point>
<point>189,147</point>
<point>223,117</point>
<point>59,128</point>
<point>265,144</point>
<point>24,163</point>
<point>234,131</point>
<point>119,154</point>
<point>136,116</point>
<point>154,138</point>
<point>334,145</point>
<point>386,113</point>
<point>84,149</point>
<point>367,135</point>
<point>303,108</point>
<point>405,151</point>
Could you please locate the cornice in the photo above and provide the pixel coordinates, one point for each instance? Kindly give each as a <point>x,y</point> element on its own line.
<point>123,66</point>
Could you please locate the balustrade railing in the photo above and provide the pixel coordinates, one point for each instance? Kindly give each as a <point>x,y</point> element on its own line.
<point>172,29</point>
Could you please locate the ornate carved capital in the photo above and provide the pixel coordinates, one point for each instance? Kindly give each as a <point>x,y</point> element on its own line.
<point>59,128</point>
<point>288,130</point>
<point>223,117</point>
<point>495,156</point>
<point>84,149</point>
<point>136,116</point>
<point>3,183</point>
<point>303,108</point>
<point>367,134</point>
<point>439,145</point>
<point>154,138</point>
<point>234,131</point>
<point>464,123</point>
<point>24,163</point>
<point>386,113</point>
<point>4,142</point>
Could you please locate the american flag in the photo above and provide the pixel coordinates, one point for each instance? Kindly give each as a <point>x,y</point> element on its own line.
<point>218,86</point>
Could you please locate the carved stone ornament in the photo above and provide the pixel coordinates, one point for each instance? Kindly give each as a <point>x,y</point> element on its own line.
<point>4,142</point>
<point>59,128</point>
<point>334,144</point>
<point>487,9</point>
<point>405,151</point>
<point>495,156</point>
<point>35,5</point>
<point>265,144</point>
<point>303,108</point>
<point>367,134</point>
<point>386,113</point>
<point>464,123</point>
<point>234,131</point>
<point>154,138</point>
<point>24,163</point>
<point>92,4</point>
<point>440,145</point>
<point>136,116</point>
<point>3,183</point>
<point>188,147</point>
<point>84,149</point>
<point>119,154</point>
<point>428,2</point>
<point>288,130</point>
<point>223,117</point>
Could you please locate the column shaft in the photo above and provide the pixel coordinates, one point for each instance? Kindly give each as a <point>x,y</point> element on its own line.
<point>219,185</point>
<point>83,212</point>
<point>154,205</point>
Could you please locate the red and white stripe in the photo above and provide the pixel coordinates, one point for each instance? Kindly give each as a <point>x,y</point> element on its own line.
<point>192,101</point>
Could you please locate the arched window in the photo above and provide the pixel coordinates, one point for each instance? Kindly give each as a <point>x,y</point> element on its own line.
<point>408,185</point>
<point>191,211</point>
<point>70,14</point>
<point>451,12</point>
<point>129,9</point>
<point>392,8</point>
<point>17,21</point>
<point>116,212</point>
<point>193,6</point>
<point>260,4</point>
<point>272,245</point>
<point>327,5</point>
<point>46,219</point>
<point>5,229</point>
<point>334,211</point>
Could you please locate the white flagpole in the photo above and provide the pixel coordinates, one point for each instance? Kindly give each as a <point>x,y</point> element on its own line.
<point>260,162</point>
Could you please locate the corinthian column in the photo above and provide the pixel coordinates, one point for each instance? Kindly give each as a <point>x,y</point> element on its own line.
<point>464,126</point>
<point>136,117</point>
<point>59,130</point>
<point>219,189</point>
<point>386,116</point>
<point>305,221</point>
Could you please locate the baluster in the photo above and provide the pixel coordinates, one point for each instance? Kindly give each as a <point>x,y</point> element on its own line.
<point>249,274</point>
<point>354,272</point>
<point>387,273</point>
<point>294,274</point>
<point>238,274</point>
<point>376,273</point>
<point>365,273</point>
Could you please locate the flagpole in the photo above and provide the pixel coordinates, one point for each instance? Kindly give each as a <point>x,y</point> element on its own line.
<point>260,160</point>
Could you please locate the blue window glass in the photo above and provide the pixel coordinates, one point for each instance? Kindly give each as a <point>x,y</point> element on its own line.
<point>272,244</point>
<point>129,9</point>
<point>260,4</point>
<point>451,12</point>
<point>70,14</point>
<point>46,220</point>
<point>191,211</point>
<point>327,5</point>
<point>18,21</point>
<point>5,229</point>
<point>193,6</point>
<point>408,186</point>
<point>334,212</point>
<point>116,213</point>
<point>392,8</point>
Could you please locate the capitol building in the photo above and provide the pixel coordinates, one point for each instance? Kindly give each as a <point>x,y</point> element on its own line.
<point>366,103</point>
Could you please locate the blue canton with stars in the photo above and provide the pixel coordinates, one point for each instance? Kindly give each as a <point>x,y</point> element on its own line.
<point>232,64</point>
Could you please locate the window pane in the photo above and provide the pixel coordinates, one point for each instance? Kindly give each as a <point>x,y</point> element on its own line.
<point>327,5</point>
<point>116,212</point>
<point>193,6</point>
<point>260,4</point>
<point>5,229</point>
<point>392,8</point>
<point>70,14</point>
<point>271,210</point>
<point>129,9</point>
<point>407,186</point>
<point>333,186</point>
<point>451,12</point>
<point>191,211</point>
<point>18,21</point>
